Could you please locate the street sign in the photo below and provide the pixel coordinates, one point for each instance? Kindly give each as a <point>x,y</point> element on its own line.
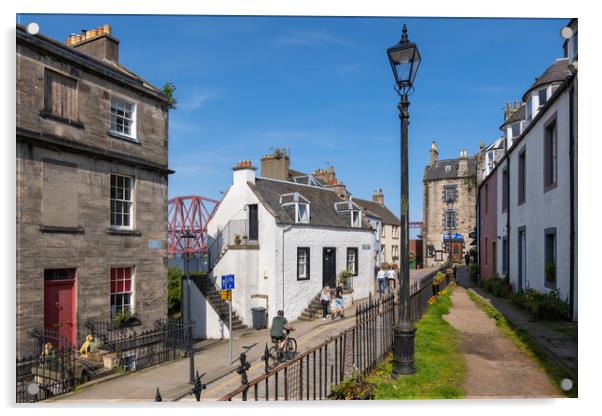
<point>226,294</point>
<point>227,281</point>
<point>365,246</point>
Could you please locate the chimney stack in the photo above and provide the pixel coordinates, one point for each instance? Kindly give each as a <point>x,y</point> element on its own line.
<point>377,196</point>
<point>328,176</point>
<point>463,163</point>
<point>434,154</point>
<point>275,165</point>
<point>243,172</point>
<point>98,43</point>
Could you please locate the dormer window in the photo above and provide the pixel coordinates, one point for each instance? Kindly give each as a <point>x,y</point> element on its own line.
<point>543,96</point>
<point>300,204</point>
<point>516,129</point>
<point>356,218</point>
<point>354,210</point>
<point>529,110</point>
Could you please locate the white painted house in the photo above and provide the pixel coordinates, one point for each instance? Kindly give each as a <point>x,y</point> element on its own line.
<point>537,192</point>
<point>284,240</point>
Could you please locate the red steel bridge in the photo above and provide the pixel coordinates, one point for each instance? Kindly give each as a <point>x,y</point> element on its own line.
<point>188,213</point>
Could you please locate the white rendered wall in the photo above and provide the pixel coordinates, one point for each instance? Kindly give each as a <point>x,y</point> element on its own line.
<point>206,322</point>
<point>542,210</point>
<point>298,293</point>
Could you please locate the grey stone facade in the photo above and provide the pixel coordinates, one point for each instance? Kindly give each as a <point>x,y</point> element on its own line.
<point>64,182</point>
<point>461,173</point>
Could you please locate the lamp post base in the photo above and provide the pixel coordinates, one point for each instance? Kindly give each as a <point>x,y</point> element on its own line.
<point>403,350</point>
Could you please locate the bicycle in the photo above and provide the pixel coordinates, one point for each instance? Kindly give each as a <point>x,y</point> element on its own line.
<point>279,355</point>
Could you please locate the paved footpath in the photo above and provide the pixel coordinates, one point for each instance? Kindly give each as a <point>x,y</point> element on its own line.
<point>212,359</point>
<point>496,367</point>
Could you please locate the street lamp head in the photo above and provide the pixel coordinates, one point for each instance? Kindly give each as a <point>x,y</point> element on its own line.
<point>188,239</point>
<point>405,60</point>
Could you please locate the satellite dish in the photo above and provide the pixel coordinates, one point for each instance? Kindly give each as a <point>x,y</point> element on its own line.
<point>566,32</point>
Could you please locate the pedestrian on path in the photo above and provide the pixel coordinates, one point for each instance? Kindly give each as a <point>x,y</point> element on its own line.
<point>392,277</point>
<point>338,302</point>
<point>380,277</point>
<point>325,299</point>
<point>467,258</point>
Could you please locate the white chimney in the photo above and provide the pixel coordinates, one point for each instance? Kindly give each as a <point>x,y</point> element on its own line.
<point>243,172</point>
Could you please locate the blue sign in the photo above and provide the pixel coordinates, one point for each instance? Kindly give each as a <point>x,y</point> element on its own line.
<point>227,281</point>
<point>155,244</point>
<point>455,236</point>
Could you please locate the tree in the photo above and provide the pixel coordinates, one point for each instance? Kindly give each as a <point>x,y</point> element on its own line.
<point>174,291</point>
<point>169,89</point>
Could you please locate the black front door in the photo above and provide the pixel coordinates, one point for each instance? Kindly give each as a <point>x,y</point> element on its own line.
<point>329,272</point>
<point>253,227</point>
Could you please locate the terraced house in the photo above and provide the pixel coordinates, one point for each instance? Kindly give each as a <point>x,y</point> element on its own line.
<point>91,187</point>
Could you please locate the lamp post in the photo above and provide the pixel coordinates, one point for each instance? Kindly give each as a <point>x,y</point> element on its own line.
<point>189,237</point>
<point>450,226</point>
<point>405,60</point>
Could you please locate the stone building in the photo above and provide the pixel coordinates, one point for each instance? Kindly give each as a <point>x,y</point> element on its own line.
<point>449,209</point>
<point>91,148</point>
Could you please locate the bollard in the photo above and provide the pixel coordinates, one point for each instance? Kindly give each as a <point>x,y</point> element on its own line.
<point>266,359</point>
<point>158,397</point>
<point>198,387</point>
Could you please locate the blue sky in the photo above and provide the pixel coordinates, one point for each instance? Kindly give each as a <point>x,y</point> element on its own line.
<point>323,88</point>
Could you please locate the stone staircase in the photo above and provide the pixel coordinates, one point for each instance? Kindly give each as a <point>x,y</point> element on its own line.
<point>220,306</point>
<point>314,309</point>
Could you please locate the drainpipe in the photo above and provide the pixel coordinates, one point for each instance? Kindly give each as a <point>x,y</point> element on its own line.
<point>508,251</point>
<point>284,230</point>
<point>572,201</point>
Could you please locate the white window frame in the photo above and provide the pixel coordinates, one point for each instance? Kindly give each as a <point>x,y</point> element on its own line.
<point>353,260</point>
<point>306,256</point>
<point>298,218</point>
<point>394,252</point>
<point>132,292</point>
<point>529,109</point>
<point>539,103</point>
<point>356,222</point>
<point>132,120</point>
<point>395,231</point>
<point>122,200</point>
<point>383,232</point>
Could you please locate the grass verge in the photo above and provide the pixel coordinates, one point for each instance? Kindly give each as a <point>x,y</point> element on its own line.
<point>526,344</point>
<point>440,365</point>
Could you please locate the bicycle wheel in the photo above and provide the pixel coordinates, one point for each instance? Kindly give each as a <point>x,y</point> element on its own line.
<point>274,357</point>
<point>291,348</point>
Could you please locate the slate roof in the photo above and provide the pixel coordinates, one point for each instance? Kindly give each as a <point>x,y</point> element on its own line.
<point>322,211</point>
<point>386,216</point>
<point>556,72</point>
<point>438,171</point>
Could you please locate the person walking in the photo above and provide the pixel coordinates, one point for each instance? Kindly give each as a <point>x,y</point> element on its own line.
<point>467,259</point>
<point>339,306</point>
<point>391,277</point>
<point>380,277</point>
<point>325,299</point>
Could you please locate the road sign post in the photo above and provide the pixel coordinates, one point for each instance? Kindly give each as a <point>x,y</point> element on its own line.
<point>226,294</point>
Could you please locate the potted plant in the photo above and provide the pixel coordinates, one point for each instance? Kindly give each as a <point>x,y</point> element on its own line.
<point>237,239</point>
<point>125,318</point>
<point>344,277</point>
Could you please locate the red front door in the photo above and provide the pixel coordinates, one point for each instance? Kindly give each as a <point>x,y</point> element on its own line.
<point>456,252</point>
<point>59,308</point>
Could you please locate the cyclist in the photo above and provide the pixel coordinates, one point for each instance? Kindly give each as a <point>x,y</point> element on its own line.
<point>280,329</point>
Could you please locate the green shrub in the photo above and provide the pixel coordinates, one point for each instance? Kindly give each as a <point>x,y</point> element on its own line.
<point>543,305</point>
<point>174,291</point>
<point>497,286</point>
<point>439,277</point>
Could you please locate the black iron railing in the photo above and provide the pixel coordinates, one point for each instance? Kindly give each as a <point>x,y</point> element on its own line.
<point>313,374</point>
<point>168,340</point>
<point>42,376</point>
